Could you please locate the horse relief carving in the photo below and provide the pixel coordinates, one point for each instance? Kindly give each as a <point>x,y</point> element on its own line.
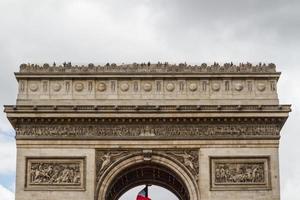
<point>240,172</point>
<point>61,172</point>
<point>237,173</point>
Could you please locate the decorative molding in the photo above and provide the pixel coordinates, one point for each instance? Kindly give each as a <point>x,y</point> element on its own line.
<point>48,173</point>
<point>101,87</point>
<point>261,87</point>
<point>124,87</point>
<point>193,86</point>
<point>56,87</point>
<point>79,86</point>
<point>34,86</point>
<point>168,89</point>
<point>239,86</point>
<point>216,87</point>
<point>35,125</point>
<point>153,108</point>
<point>150,68</point>
<point>239,173</point>
<point>151,131</point>
<point>147,86</point>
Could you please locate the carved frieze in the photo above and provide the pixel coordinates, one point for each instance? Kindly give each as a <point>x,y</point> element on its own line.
<point>119,82</point>
<point>55,173</point>
<point>192,130</point>
<point>240,173</point>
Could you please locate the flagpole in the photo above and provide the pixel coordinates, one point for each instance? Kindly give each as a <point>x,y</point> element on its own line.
<point>147,190</point>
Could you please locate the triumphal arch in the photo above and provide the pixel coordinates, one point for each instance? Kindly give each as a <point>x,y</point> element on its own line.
<point>204,132</point>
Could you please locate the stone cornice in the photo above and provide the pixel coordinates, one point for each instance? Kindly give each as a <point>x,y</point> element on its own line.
<point>145,108</point>
<point>148,122</point>
<point>149,68</point>
<point>158,120</point>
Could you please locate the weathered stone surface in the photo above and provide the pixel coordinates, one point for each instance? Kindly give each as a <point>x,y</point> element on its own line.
<point>207,132</point>
<point>156,84</point>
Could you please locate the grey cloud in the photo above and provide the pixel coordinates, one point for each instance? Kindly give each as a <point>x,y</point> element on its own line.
<point>162,30</point>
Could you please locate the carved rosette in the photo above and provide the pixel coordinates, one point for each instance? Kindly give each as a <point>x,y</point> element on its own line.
<point>55,173</point>
<point>240,173</point>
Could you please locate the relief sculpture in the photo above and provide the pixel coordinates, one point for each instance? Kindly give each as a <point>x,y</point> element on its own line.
<point>146,130</point>
<point>105,158</point>
<point>189,158</point>
<point>240,173</point>
<point>55,172</point>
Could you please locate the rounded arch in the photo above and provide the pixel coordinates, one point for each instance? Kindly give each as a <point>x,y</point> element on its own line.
<point>154,192</point>
<point>161,170</point>
<point>148,173</point>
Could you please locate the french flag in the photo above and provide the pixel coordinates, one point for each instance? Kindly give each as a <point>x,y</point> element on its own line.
<point>143,194</point>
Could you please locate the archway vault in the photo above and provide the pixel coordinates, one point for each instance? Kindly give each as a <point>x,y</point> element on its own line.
<point>135,169</point>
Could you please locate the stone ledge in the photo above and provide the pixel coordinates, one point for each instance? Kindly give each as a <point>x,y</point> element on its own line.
<point>145,108</point>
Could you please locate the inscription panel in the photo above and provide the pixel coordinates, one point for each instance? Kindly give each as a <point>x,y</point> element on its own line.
<point>241,173</point>
<point>55,173</point>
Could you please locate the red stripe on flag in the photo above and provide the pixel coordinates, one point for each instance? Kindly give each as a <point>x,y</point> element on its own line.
<point>139,197</point>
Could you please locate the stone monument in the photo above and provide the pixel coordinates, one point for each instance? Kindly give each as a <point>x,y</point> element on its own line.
<point>204,132</point>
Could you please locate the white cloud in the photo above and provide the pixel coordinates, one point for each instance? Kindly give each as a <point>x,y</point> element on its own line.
<point>5,194</point>
<point>7,155</point>
<point>291,189</point>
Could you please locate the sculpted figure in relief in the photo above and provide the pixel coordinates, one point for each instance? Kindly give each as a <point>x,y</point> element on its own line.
<point>54,173</point>
<point>107,159</point>
<point>239,173</point>
<point>188,160</point>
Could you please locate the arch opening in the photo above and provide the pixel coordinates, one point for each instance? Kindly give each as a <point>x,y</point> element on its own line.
<point>154,192</point>
<point>147,173</point>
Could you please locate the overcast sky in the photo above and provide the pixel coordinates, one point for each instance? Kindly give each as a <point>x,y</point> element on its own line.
<point>192,31</point>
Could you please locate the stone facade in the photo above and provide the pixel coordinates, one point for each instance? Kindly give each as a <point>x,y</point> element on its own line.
<point>93,132</point>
